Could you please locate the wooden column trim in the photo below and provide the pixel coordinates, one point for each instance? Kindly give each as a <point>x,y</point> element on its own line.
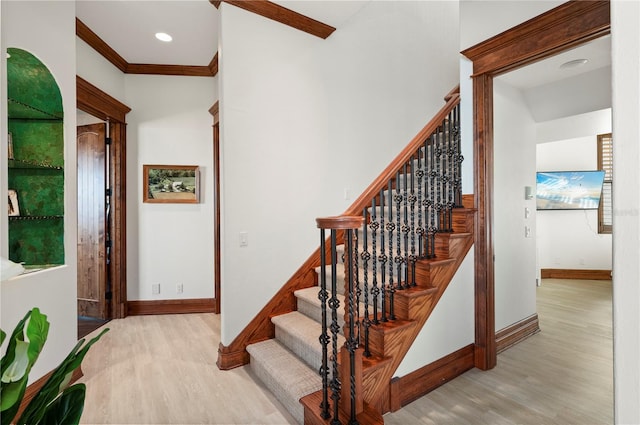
<point>283,15</point>
<point>561,28</point>
<point>217,243</point>
<point>485,348</point>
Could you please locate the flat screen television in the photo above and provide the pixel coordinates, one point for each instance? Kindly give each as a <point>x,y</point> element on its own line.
<point>568,190</point>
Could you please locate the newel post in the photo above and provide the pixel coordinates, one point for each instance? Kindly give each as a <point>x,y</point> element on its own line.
<point>350,364</point>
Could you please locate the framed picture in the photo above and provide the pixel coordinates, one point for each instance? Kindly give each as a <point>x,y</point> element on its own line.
<point>176,184</point>
<point>10,146</point>
<point>14,208</point>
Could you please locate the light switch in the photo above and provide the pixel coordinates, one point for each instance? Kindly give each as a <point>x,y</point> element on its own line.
<point>244,239</point>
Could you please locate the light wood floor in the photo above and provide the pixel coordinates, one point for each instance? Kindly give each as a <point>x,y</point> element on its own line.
<point>161,370</point>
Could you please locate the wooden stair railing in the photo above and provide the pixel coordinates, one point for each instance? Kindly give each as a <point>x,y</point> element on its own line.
<point>414,235</point>
<point>260,328</point>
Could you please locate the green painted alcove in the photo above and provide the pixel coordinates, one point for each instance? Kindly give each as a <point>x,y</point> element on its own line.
<point>36,168</point>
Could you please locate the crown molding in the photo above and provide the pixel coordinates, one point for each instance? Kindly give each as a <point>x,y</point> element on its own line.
<point>283,15</point>
<point>99,45</point>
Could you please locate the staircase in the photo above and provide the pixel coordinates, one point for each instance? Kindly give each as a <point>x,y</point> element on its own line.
<point>288,364</point>
<point>327,345</point>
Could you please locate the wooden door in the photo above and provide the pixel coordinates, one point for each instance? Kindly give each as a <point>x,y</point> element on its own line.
<point>92,267</point>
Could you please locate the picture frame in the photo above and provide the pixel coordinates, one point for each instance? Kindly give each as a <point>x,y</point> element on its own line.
<point>171,184</point>
<point>14,207</point>
<point>10,146</point>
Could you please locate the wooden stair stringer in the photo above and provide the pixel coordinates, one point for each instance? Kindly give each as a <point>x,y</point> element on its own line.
<point>395,343</point>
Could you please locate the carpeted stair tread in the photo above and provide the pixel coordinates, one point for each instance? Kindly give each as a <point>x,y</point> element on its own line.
<point>300,334</point>
<point>286,376</point>
<point>309,305</point>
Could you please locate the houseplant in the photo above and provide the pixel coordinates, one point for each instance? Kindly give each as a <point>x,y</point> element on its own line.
<point>56,402</point>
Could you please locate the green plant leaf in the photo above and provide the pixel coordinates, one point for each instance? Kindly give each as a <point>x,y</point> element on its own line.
<point>18,367</point>
<point>37,332</point>
<point>2,336</point>
<point>11,397</point>
<point>11,394</point>
<point>17,335</point>
<point>34,412</point>
<point>66,409</point>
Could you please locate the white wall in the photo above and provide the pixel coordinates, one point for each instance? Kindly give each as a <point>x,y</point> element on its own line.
<point>625,45</point>
<point>325,115</point>
<point>570,239</point>
<point>169,244</point>
<point>94,68</point>
<point>47,30</point>
<point>514,168</point>
<point>448,328</point>
<point>480,19</point>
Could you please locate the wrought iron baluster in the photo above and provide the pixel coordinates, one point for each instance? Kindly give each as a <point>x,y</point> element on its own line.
<point>352,337</point>
<point>357,283</point>
<point>412,206</point>
<point>391,226</point>
<point>403,267</point>
<point>383,260</point>
<point>375,291</point>
<point>334,304</point>
<point>419,175</point>
<point>458,158</point>
<point>431,203</point>
<point>324,337</point>
<point>449,173</point>
<point>366,256</point>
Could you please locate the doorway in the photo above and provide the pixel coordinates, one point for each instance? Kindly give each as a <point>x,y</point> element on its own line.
<point>107,295</point>
<point>93,230</point>
<point>559,29</point>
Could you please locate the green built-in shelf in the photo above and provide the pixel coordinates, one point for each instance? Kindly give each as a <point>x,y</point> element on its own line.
<point>36,169</point>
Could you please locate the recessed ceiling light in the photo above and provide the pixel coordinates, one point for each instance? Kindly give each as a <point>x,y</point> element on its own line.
<point>163,36</point>
<point>574,63</point>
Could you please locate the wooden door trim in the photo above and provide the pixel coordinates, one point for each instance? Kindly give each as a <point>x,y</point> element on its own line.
<point>214,111</point>
<point>94,101</point>
<point>559,29</point>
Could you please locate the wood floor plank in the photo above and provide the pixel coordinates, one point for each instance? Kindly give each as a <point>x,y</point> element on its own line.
<point>563,375</point>
<point>161,370</point>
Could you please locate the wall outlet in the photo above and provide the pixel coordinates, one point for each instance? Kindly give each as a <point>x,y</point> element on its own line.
<point>155,288</point>
<point>179,288</point>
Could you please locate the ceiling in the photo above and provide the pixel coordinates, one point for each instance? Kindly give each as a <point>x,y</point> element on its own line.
<point>552,91</point>
<point>129,28</point>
